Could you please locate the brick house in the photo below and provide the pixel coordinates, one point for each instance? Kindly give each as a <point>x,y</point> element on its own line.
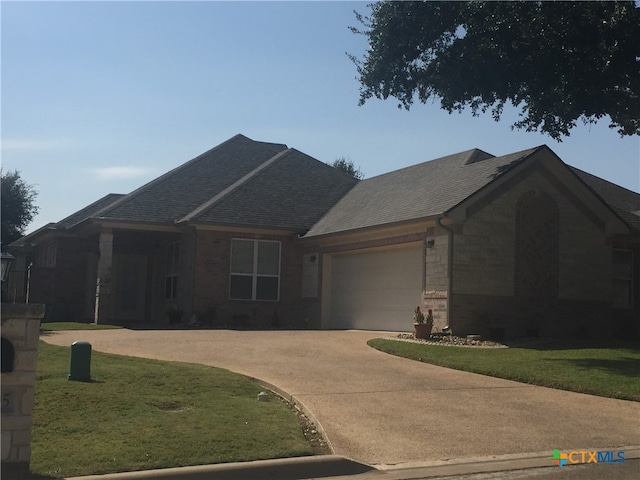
<point>258,235</point>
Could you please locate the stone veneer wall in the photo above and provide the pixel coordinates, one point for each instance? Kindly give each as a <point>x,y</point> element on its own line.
<point>437,267</point>
<point>486,315</point>
<point>20,326</point>
<point>437,301</point>
<point>484,259</point>
<point>435,295</point>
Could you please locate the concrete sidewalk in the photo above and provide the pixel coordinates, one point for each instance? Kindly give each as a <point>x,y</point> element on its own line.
<point>386,411</point>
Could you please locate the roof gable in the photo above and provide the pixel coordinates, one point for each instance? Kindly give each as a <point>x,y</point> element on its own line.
<point>427,189</point>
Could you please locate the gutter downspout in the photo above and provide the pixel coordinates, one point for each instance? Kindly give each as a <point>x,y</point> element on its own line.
<point>449,268</point>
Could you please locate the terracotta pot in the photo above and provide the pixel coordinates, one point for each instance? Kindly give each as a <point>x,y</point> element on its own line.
<point>422,330</point>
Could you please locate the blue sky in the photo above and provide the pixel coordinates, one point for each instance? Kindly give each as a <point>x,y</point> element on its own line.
<point>101,97</point>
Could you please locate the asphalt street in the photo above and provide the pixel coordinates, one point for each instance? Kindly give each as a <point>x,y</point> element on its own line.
<point>629,470</point>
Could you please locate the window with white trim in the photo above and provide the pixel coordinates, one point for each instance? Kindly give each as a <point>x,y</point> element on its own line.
<point>255,270</point>
<point>622,278</point>
<point>171,272</point>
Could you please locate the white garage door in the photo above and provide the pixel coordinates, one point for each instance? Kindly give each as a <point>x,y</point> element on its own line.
<point>377,290</point>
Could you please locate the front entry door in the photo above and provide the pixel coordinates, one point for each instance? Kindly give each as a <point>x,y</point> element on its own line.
<point>131,282</point>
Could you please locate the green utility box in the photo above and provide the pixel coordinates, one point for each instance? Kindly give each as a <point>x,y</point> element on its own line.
<point>80,361</point>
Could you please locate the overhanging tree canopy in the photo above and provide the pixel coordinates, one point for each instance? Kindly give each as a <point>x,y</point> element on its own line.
<point>559,62</point>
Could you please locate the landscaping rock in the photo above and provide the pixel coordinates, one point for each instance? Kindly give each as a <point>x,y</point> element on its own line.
<point>449,340</point>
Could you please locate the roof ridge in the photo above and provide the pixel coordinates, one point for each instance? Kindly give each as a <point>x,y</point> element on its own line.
<point>477,155</point>
<point>449,157</point>
<point>170,173</point>
<point>234,186</point>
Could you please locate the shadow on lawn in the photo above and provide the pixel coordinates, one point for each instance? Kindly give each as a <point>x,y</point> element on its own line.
<point>44,333</point>
<point>542,344</point>
<point>627,366</point>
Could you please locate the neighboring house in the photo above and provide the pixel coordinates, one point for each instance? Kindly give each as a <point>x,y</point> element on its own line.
<point>257,235</point>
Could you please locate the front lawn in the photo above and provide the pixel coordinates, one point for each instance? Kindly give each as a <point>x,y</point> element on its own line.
<point>140,414</point>
<point>579,367</point>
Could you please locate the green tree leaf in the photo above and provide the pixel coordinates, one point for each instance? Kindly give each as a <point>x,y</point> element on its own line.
<point>558,62</point>
<point>18,206</point>
<point>347,166</point>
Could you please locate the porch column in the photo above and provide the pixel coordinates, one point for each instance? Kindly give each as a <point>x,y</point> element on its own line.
<point>103,308</point>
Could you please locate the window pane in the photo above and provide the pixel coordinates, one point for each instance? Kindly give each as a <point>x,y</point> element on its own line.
<point>268,258</point>
<point>168,287</point>
<point>241,287</point>
<point>241,256</point>
<point>171,287</point>
<point>169,269</point>
<point>267,288</point>
<point>172,259</point>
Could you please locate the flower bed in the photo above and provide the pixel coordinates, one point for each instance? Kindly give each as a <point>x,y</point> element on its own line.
<point>448,340</point>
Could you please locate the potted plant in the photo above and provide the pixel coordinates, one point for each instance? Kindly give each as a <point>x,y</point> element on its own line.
<point>422,324</point>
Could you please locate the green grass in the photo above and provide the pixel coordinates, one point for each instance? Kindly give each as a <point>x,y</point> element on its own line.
<point>139,414</point>
<point>587,368</point>
<point>59,326</point>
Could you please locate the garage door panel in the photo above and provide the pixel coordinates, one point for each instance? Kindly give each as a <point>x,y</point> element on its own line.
<point>375,290</point>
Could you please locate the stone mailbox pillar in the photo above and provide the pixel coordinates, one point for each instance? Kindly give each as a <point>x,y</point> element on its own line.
<point>20,332</point>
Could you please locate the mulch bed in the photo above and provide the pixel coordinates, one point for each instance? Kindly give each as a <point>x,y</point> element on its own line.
<point>448,340</point>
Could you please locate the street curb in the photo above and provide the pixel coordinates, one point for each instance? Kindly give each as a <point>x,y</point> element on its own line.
<point>336,467</point>
<point>297,404</point>
<point>282,469</point>
<point>475,465</point>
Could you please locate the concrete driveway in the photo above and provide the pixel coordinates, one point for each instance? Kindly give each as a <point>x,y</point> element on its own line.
<point>383,410</point>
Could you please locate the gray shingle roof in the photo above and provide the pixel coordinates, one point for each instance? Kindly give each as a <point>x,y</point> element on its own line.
<point>248,183</point>
<point>239,182</point>
<point>72,220</point>
<point>182,190</point>
<point>89,211</point>
<point>293,192</point>
<point>625,203</point>
<point>419,191</point>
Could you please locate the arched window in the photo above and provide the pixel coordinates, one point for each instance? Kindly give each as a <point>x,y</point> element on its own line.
<point>537,238</point>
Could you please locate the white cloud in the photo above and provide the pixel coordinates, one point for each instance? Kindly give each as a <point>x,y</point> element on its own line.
<point>120,173</point>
